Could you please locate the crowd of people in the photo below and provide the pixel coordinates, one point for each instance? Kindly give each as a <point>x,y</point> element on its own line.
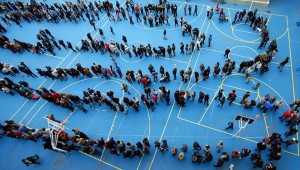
<point>79,141</point>
<point>17,12</point>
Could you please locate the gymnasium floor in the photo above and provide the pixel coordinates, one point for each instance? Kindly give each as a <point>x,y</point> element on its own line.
<point>177,125</point>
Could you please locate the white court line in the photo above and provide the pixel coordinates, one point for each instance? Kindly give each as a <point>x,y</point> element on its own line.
<point>53,56</point>
<point>248,32</point>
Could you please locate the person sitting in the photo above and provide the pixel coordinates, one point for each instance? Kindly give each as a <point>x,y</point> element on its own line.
<point>31,160</point>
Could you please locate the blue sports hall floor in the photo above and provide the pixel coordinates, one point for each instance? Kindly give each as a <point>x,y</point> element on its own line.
<point>178,125</point>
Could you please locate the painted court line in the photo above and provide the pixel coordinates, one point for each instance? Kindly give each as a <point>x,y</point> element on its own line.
<point>25,102</point>
<point>106,163</point>
<point>234,87</point>
<point>53,56</point>
<point>248,32</point>
<point>292,74</point>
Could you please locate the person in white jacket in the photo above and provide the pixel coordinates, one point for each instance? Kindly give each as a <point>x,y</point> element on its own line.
<point>257,66</point>
<point>278,105</point>
<point>249,71</point>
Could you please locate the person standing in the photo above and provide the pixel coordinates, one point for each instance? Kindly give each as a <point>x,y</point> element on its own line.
<point>93,24</point>
<point>173,49</point>
<point>176,22</point>
<point>112,30</point>
<point>231,97</point>
<point>195,11</point>
<point>206,99</point>
<point>220,94</point>
<point>283,63</point>
<point>174,71</point>
<point>165,34</point>
<point>190,9</point>
<point>222,101</point>
<point>181,48</point>
<point>209,40</point>
<point>125,40</point>
<point>227,51</point>
<point>208,8</point>
<point>70,46</point>
<point>220,146</point>
<point>101,33</point>
<point>235,18</point>
<point>125,88</point>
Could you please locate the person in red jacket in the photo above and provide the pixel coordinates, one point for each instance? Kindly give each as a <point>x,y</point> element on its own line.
<point>285,115</point>
<point>155,98</point>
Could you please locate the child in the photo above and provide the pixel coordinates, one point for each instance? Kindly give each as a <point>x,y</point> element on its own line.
<point>248,79</point>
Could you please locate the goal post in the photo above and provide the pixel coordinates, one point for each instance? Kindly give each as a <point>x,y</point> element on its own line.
<point>243,122</point>
<point>55,130</point>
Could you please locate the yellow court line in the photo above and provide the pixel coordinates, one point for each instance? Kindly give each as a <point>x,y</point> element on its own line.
<point>100,160</point>
<point>266,125</point>
<point>292,74</point>
<point>239,88</point>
